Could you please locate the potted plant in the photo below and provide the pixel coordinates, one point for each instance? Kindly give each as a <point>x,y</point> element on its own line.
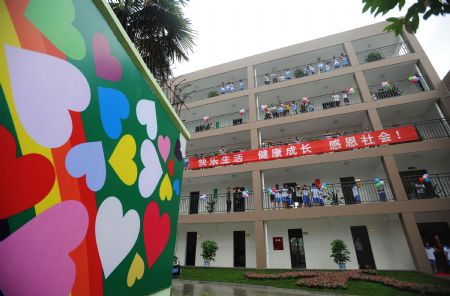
<point>209,249</point>
<point>299,73</point>
<point>374,56</point>
<point>340,253</point>
<point>212,94</point>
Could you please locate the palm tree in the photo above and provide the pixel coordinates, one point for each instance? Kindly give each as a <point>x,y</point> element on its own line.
<point>159,31</point>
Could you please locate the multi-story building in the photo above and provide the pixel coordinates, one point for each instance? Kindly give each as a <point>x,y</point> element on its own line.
<point>389,82</point>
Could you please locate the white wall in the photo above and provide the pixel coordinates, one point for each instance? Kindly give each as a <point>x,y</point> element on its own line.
<point>435,161</point>
<point>389,245</point>
<point>222,234</point>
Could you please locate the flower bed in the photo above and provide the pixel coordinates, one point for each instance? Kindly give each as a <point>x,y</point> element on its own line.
<point>334,280</point>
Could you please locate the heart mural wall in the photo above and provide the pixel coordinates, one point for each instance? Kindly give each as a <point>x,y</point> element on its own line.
<point>91,156</point>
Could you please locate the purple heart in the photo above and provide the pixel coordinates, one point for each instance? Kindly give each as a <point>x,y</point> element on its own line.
<point>106,65</point>
<point>35,259</point>
<point>88,159</point>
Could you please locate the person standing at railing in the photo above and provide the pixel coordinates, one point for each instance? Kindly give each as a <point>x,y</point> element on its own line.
<point>336,99</point>
<point>328,66</point>
<point>381,192</point>
<point>320,66</point>
<point>222,88</point>
<point>186,161</point>
<point>356,196</point>
<point>344,60</point>
<point>274,77</point>
<point>228,87</point>
<point>232,87</point>
<point>228,199</point>
<point>345,97</point>
<point>266,79</point>
<point>287,74</point>
<point>305,197</point>
<point>241,85</point>
<point>420,190</point>
<point>335,63</point>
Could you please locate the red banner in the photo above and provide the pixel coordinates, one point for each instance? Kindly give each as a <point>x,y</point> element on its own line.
<point>342,143</point>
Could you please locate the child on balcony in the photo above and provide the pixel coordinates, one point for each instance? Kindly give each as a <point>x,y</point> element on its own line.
<point>305,197</point>
<point>344,60</point>
<point>345,97</point>
<point>356,196</point>
<point>241,85</point>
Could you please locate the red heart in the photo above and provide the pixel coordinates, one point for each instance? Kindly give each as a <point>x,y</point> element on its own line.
<point>24,181</point>
<point>156,232</point>
<point>170,167</point>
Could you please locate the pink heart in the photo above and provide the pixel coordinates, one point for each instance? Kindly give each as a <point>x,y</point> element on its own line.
<point>156,232</point>
<point>35,259</point>
<point>164,146</point>
<point>106,65</point>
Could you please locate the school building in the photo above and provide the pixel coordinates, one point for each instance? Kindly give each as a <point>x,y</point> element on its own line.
<point>360,118</point>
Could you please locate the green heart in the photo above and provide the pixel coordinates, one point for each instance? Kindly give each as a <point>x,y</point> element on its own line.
<point>54,19</point>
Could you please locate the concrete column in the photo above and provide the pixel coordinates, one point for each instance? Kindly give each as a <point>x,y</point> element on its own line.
<point>254,138</point>
<point>444,105</point>
<point>260,243</point>
<point>412,42</point>
<point>252,109</point>
<point>363,87</point>
<point>250,77</point>
<point>391,169</point>
<point>428,70</point>
<point>415,242</point>
<point>351,53</point>
<point>257,191</point>
<point>374,119</point>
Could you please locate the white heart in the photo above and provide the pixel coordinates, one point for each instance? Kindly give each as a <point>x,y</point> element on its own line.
<point>115,234</point>
<point>146,114</point>
<point>152,171</point>
<point>182,145</point>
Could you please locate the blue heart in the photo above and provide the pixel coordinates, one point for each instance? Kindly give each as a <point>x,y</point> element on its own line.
<point>176,186</point>
<point>114,106</point>
<point>87,159</point>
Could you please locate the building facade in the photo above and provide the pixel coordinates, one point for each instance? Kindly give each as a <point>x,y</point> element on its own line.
<point>375,198</point>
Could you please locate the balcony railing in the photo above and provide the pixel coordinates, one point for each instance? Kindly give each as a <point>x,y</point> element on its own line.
<point>217,90</point>
<point>399,88</point>
<point>438,186</point>
<point>309,69</point>
<point>430,129</point>
<point>210,204</point>
<point>216,122</point>
<point>335,195</point>
<point>381,53</point>
<point>317,103</point>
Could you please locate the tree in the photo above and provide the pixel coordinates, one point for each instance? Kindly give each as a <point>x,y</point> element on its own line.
<point>159,31</point>
<point>411,20</point>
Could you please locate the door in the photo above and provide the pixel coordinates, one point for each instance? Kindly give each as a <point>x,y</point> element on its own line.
<point>435,233</point>
<point>362,247</point>
<point>410,179</point>
<point>347,185</point>
<point>191,247</point>
<point>193,202</point>
<point>297,248</point>
<point>239,248</point>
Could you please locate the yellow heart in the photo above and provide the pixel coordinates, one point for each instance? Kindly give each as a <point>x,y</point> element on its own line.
<point>122,162</point>
<point>136,270</point>
<point>165,190</point>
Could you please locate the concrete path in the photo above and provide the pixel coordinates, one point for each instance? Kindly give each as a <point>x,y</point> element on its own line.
<point>196,288</point>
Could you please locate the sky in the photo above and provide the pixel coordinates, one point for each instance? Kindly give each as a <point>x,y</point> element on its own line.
<point>234,29</point>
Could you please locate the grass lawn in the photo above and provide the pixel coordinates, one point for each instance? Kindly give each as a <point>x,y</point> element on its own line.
<point>232,275</point>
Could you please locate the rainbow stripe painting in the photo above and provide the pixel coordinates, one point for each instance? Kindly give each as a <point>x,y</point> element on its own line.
<point>91,157</point>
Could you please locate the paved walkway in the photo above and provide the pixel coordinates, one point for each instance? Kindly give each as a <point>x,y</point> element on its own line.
<point>196,288</point>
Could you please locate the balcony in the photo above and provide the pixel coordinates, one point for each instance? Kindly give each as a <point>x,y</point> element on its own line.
<point>396,80</point>
<point>437,186</point>
<point>211,203</point>
<point>301,65</point>
<point>209,117</point>
<point>231,142</point>
<point>337,194</point>
<point>382,53</point>
<point>229,82</point>
<point>309,97</point>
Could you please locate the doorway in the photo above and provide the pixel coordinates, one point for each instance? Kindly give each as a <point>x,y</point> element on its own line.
<point>435,233</point>
<point>362,247</point>
<point>239,248</point>
<point>297,248</point>
<point>191,248</point>
<point>347,185</point>
<point>194,198</point>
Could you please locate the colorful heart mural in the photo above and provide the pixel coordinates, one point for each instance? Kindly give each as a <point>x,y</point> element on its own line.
<point>91,156</point>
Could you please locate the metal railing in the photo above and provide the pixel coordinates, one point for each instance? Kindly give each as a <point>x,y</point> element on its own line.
<point>217,90</point>
<point>216,122</point>
<point>316,104</point>
<point>309,69</point>
<point>218,204</point>
<point>430,129</point>
<point>438,186</point>
<point>385,52</point>
<point>335,194</point>
<point>399,88</point>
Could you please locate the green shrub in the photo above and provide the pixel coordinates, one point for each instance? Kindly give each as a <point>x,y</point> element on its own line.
<point>209,249</point>
<point>339,251</point>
